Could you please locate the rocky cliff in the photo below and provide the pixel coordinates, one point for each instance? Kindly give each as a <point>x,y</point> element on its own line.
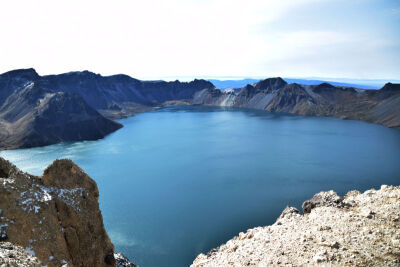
<point>31,115</point>
<point>55,218</point>
<point>357,230</point>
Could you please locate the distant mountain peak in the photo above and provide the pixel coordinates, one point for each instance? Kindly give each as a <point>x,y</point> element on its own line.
<point>325,85</point>
<point>203,83</point>
<point>391,87</point>
<point>29,73</point>
<point>270,83</point>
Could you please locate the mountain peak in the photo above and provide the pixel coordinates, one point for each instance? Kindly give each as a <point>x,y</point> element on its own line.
<point>391,87</point>
<point>325,85</point>
<point>203,83</point>
<point>270,83</point>
<point>29,73</point>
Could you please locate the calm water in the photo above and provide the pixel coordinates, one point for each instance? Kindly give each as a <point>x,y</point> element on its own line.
<point>182,180</point>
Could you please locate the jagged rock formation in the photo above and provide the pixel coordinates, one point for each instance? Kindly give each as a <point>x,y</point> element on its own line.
<point>41,110</point>
<point>357,230</point>
<point>55,217</point>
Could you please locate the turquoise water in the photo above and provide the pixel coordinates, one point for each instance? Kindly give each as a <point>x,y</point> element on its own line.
<point>181,180</point>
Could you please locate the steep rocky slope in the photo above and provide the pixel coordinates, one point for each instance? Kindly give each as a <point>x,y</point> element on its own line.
<point>55,217</point>
<point>41,110</point>
<point>33,116</point>
<point>120,95</point>
<point>274,94</point>
<point>357,230</point>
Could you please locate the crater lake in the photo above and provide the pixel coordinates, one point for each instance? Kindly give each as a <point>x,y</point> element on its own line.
<point>179,181</point>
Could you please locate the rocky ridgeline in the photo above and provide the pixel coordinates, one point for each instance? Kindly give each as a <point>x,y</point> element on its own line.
<point>52,220</point>
<point>357,230</point>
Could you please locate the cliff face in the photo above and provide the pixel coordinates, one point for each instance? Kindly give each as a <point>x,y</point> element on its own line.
<point>357,230</point>
<point>55,217</point>
<point>31,115</point>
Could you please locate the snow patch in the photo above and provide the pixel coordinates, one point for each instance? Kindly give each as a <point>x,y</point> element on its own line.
<point>30,251</point>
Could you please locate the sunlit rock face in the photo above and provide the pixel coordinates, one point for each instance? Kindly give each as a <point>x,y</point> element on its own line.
<point>55,217</point>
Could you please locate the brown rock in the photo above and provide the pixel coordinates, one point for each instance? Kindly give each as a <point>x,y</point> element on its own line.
<point>56,217</point>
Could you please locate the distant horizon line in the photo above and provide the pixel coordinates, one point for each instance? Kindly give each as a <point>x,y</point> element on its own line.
<point>372,81</point>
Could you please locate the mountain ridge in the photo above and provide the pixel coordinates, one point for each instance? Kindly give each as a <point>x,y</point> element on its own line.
<point>41,110</point>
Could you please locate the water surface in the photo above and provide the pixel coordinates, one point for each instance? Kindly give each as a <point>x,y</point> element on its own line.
<point>181,180</point>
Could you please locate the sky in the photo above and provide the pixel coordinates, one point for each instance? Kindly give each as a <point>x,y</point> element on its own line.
<point>358,39</point>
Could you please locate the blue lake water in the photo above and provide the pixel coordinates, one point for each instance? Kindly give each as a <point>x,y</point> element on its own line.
<point>181,180</point>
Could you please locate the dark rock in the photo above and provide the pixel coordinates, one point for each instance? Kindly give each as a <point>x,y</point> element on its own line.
<point>391,87</point>
<point>323,199</point>
<point>109,259</point>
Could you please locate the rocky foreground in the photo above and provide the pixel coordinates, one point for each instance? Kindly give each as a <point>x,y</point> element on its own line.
<point>52,220</point>
<point>357,230</point>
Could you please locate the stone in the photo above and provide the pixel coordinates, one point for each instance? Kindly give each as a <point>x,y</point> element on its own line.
<point>323,199</point>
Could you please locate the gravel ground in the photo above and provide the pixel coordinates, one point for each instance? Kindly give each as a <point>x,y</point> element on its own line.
<point>11,255</point>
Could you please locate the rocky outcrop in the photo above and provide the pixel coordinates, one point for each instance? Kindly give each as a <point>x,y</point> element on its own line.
<point>357,230</point>
<point>55,217</point>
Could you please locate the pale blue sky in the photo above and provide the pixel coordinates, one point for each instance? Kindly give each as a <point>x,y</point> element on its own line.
<point>160,38</point>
